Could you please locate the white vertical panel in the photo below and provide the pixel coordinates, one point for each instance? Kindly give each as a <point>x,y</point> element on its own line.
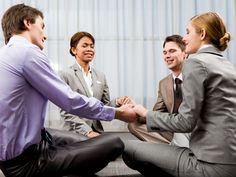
<point>128,33</point>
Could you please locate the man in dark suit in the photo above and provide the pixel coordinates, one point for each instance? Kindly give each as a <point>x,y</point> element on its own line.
<point>167,101</point>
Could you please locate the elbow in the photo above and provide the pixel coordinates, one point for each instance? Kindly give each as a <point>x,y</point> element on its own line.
<point>189,126</point>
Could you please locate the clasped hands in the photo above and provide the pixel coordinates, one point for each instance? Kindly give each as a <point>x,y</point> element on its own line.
<point>129,110</point>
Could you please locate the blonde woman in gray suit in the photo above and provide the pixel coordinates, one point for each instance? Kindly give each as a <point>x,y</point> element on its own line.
<point>208,110</point>
<point>84,79</point>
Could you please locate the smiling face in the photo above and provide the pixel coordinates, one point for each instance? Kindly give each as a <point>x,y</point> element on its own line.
<point>36,32</point>
<point>193,39</point>
<point>173,56</point>
<point>84,51</point>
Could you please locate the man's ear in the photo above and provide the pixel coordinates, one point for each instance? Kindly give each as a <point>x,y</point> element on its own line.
<point>27,24</point>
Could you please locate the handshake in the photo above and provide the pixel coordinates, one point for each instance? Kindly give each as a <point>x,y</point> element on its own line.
<point>129,110</point>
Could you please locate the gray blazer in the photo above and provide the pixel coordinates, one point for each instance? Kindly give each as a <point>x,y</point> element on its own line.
<point>208,108</point>
<point>73,76</point>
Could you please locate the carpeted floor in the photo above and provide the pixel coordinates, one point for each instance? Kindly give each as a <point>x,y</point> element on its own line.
<point>118,169</point>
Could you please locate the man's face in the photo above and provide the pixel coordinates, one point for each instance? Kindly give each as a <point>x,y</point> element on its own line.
<point>173,56</point>
<point>36,32</point>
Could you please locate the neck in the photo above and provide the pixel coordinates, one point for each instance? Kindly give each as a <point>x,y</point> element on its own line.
<point>25,35</point>
<point>177,70</point>
<point>176,73</point>
<point>84,65</point>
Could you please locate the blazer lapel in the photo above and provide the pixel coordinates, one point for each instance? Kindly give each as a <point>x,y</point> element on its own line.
<point>94,83</point>
<point>170,93</point>
<point>80,77</point>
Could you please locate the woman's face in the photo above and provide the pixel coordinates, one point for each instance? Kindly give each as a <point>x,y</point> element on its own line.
<point>192,39</point>
<point>84,50</point>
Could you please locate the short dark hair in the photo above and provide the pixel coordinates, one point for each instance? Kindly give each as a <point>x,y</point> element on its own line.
<point>13,19</point>
<point>76,38</point>
<point>176,39</point>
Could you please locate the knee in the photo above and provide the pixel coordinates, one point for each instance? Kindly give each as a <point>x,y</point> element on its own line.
<point>115,147</point>
<point>128,154</point>
<point>114,142</point>
<point>118,144</point>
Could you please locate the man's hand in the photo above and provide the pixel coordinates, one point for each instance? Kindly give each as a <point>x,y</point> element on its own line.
<point>126,113</point>
<point>125,100</point>
<point>140,110</point>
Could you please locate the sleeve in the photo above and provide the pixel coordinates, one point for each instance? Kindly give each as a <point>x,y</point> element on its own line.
<point>44,79</point>
<point>75,123</point>
<point>194,77</point>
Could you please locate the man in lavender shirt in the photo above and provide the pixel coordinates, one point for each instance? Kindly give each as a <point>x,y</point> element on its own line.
<point>27,83</point>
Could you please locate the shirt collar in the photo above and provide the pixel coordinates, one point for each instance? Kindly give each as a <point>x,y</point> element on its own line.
<point>22,40</point>
<point>180,76</point>
<point>82,69</point>
<point>18,38</point>
<point>205,46</point>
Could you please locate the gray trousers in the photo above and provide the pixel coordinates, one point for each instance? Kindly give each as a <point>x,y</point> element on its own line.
<point>152,159</point>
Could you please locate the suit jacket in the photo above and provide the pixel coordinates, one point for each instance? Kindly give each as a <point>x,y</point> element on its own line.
<point>208,108</point>
<point>165,99</point>
<point>165,103</point>
<point>73,76</point>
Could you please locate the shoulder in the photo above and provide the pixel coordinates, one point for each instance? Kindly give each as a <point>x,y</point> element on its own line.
<point>166,79</point>
<point>98,73</point>
<point>195,68</point>
<point>33,57</point>
<point>204,56</point>
<point>67,72</point>
<point>194,62</point>
<point>25,49</point>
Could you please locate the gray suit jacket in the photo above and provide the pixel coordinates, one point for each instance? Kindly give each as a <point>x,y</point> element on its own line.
<point>208,108</point>
<point>73,76</point>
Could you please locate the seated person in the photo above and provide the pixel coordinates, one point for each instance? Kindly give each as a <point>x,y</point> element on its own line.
<point>168,97</point>
<point>84,79</point>
<point>26,148</point>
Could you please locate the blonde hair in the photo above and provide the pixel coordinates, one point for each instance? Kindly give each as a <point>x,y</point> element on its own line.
<point>215,29</point>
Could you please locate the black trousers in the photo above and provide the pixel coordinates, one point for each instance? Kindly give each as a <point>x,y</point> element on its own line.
<point>55,156</point>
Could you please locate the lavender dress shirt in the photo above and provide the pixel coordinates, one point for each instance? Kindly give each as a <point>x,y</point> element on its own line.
<point>27,82</point>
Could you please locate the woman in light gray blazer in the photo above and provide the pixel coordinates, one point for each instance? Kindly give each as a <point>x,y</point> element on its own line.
<point>86,80</point>
<point>208,111</point>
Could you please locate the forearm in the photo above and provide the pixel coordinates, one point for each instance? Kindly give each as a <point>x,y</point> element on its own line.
<point>163,121</point>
